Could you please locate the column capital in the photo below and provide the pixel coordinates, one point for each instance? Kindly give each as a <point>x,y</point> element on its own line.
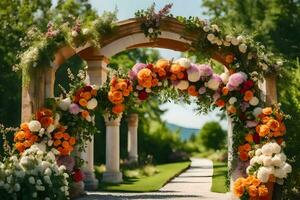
<point>112,122</point>
<point>133,119</point>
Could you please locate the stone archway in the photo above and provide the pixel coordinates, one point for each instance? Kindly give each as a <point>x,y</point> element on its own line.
<point>128,36</point>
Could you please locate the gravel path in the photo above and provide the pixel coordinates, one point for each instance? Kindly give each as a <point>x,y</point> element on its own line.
<point>193,184</point>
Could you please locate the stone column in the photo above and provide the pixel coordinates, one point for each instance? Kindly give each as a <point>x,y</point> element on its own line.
<point>132,137</point>
<point>112,174</point>
<point>269,89</point>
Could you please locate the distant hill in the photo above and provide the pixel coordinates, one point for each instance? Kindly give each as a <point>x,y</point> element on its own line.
<point>186,133</point>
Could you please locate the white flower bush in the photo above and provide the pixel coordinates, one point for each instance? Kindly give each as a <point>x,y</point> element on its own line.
<point>34,175</point>
<point>269,160</point>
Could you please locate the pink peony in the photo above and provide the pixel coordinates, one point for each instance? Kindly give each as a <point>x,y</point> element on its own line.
<point>135,69</point>
<point>236,79</point>
<point>205,70</point>
<point>216,96</point>
<point>74,109</point>
<point>202,90</point>
<point>193,73</point>
<point>214,82</point>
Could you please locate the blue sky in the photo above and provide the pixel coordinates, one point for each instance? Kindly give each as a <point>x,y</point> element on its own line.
<point>179,114</point>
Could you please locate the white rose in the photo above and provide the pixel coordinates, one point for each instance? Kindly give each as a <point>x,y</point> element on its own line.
<point>279,181</point>
<point>39,182</point>
<point>257,111</point>
<point>34,195</point>
<point>64,104</point>
<point>267,161</point>
<point>150,30</point>
<point>258,152</point>
<point>148,90</point>
<point>50,128</point>
<point>263,174</point>
<point>24,160</point>
<point>243,48</point>
<point>267,149</point>
<point>276,147</point>
<point>85,31</point>
<point>92,104</point>
<point>227,44</point>
<point>240,38</point>
<point>213,84</point>
<point>225,77</point>
<point>282,157</point>
<point>62,168</point>
<point>48,172</point>
<point>210,37</point>
<point>74,33</point>
<point>234,41</point>
<point>254,160</point>
<point>276,161</point>
<point>184,62</point>
<point>280,173</point>
<point>47,180</point>
<point>31,180</point>
<point>219,42</point>
<point>232,100</point>
<point>228,38</point>
<point>287,168</point>
<point>254,101</point>
<point>206,28</point>
<point>182,85</point>
<point>215,27</point>
<point>34,126</point>
<point>17,187</point>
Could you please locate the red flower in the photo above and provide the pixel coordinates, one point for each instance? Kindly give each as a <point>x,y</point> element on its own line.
<point>149,66</point>
<point>242,91</point>
<point>77,175</point>
<point>256,138</point>
<point>88,88</point>
<point>248,84</point>
<point>143,95</point>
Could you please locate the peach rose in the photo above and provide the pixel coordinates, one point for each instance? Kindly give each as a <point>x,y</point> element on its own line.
<point>262,191</point>
<point>117,109</point>
<point>249,138</point>
<point>263,130</point>
<point>248,95</point>
<point>252,190</point>
<point>267,111</point>
<point>273,125</point>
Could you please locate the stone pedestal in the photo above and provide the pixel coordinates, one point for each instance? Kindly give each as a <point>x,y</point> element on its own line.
<point>112,174</point>
<point>132,146</point>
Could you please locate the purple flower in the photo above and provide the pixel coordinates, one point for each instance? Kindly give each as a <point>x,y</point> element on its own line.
<point>193,73</point>
<point>205,70</point>
<point>216,96</point>
<point>250,124</point>
<point>244,106</point>
<point>135,69</point>
<point>202,90</point>
<point>237,78</point>
<point>74,109</point>
<point>67,161</point>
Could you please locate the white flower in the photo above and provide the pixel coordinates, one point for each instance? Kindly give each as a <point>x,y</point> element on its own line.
<point>213,84</point>
<point>56,119</point>
<point>148,90</point>
<point>92,104</point>
<point>85,31</point>
<point>138,87</point>
<point>66,175</point>
<point>257,111</point>
<point>182,85</point>
<point>258,152</point>
<point>1,183</point>
<point>184,62</point>
<point>254,160</point>
<point>267,161</point>
<point>39,182</point>
<point>267,149</point>
<point>228,38</point>
<point>206,28</point>
<point>219,42</point>
<point>50,128</point>
<point>240,38</point>
<point>276,147</point>
<point>215,27</point>
<point>47,180</point>
<point>64,104</point>
<point>48,172</point>
<point>232,100</point>
<point>159,83</point>
<point>17,187</point>
<point>287,168</point>
<point>282,157</point>
<point>47,198</point>
<point>96,87</point>
<point>225,77</point>
<point>74,33</point>
<point>210,37</point>
<point>50,142</point>
<point>62,168</point>
<point>45,165</point>
<point>34,126</point>
<point>243,48</point>
<point>150,30</point>
<point>263,174</point>
<point>31,180</point>
<point>254,101</point>
<point>280,173</point>
<point>276,161</point>
<point>34,195</point>
<point>24,161</point>
<point>279,181</point>
<point>234,41</point>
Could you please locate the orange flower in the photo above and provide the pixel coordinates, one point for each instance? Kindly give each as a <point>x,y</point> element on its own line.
<point>256,182</point>
<point>94,92</point>
<point>252,190</point>
<point>229,58</point>
<point>46,121</point>
<point>220,103</point>
<point>192,90</point>
<point>238,188</point>
<point>19,136</point>
<point>265,119</point>
<point>267,111</point>
<point>225,91</point>
<point>231,109</point>
<point>173,77</point>
<point>262,191</point>
<point>24,127</point>
<point>83,102</point>
<point>85,114</point>
<point>87,95</point>
<point>118,108</point>
<point>126,93</point>
<point>72,141</point>
<point>65,144</point>
<point>175,68</point>
<point>56,143</point>
<point>282,127</point>
<point>248,95</point>
<point>180,75</point>
<point>249,138</point>
<point>162,63</point>
<point>58,135</point>
<point>66,136</point>
<point>144,74</point>
<point>154,82</point>
<point>277,134</point>
<point>263,130</point>
<point>20,147</point>
<point>279,141</point>
<point>273,125</point>
<point>247,147</point>
<point>123,85</point>
<point>244,156</point>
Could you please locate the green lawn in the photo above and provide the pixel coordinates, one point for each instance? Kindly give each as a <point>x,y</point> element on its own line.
<point>147,184</point>
<point>219,178</point>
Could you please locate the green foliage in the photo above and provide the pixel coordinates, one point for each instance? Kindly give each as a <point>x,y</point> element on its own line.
<point>212,136</point>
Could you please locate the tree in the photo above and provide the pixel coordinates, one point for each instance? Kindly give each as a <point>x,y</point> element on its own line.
<point>276,25</point>
<point>212,136</point>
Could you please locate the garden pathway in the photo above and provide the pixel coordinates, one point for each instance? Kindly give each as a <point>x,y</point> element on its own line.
<point>193,184</point>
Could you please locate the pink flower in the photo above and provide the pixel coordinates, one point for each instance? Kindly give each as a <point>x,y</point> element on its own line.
<point>193,73</point>
<point>216,96</point>
<point>205,70</point>
<point>214,82</point>
<point>251,124</point>
<point>202,90</point>
<point>236,79</point>
<point>74,109</point>
<point>135,69</point>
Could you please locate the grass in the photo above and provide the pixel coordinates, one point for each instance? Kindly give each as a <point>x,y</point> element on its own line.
<point>164,173</point>
<point>219,178</point>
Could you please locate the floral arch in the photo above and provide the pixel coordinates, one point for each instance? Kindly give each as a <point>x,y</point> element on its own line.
<point>246,91</point>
